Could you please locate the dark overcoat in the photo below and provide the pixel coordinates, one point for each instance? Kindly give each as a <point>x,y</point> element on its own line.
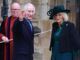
<point>23,39</point>
<point>69,37</point>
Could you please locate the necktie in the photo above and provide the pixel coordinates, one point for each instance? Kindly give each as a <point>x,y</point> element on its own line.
<point>30,24</point>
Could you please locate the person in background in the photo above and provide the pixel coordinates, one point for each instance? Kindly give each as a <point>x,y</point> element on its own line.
<point>23,34</point>
<point>65,39</point>
<point>6,33</point>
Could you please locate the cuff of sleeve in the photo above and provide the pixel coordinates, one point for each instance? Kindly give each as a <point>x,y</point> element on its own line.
<point>1,36</point>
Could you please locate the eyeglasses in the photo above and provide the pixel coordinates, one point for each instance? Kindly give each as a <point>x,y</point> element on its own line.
<point>15,9</point>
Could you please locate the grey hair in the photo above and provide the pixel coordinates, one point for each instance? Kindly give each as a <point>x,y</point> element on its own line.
<point>28,4</point>
<point>65,15</point>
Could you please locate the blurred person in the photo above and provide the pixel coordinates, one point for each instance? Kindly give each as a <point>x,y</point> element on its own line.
<point>6,33</point>
<point>29,11</point>
<point>23,34</point>
<point>65,39</point>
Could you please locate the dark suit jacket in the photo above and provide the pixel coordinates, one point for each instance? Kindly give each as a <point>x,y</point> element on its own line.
<point>69,38</point>
<point>23,38</point>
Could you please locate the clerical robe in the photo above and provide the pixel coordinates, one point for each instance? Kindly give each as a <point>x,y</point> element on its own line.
<point>6,30</point>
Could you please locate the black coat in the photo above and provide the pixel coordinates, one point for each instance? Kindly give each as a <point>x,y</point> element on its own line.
<point>69,38</point>
<point>23,37</point>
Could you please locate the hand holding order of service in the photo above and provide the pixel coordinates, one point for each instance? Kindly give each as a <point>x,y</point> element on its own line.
<point>5,39</point>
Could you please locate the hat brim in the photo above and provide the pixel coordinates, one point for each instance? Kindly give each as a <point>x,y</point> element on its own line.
<point>54,13</point>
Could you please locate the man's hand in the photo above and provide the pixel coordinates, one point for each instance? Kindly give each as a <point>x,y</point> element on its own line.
<point>5,39</point>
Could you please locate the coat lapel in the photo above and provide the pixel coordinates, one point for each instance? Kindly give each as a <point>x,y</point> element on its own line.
<point>27,24</point>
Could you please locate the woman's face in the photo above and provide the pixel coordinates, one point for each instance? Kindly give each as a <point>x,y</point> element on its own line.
<point>59,17</point>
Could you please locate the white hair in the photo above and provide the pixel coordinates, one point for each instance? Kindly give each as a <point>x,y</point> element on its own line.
<point>28,5</point>
<point>65,15</point>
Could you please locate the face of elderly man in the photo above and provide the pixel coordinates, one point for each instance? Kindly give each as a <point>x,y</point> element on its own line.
<point>29,11</point>
<point>15,9</point>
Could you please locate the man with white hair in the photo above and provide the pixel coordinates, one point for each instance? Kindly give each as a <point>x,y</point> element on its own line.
<point>29,11</point>
<point>23,35</point>
<point>6,32</point>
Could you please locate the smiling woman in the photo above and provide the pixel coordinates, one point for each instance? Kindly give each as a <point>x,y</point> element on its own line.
<point>64,38</point>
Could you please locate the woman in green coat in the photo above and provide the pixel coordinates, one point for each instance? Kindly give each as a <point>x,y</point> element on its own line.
<point>64,39</point>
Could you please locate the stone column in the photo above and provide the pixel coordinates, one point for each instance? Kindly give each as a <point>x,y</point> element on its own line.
<point>23,1</point>
<point>44,8</point>
<point>42,41</point>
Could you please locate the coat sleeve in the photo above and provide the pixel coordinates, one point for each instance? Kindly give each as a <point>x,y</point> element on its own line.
<point>76,36</point>
<point>2,30</point>
<point>51,42</point>
<point>17,29</point>
<point>55,26</point>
